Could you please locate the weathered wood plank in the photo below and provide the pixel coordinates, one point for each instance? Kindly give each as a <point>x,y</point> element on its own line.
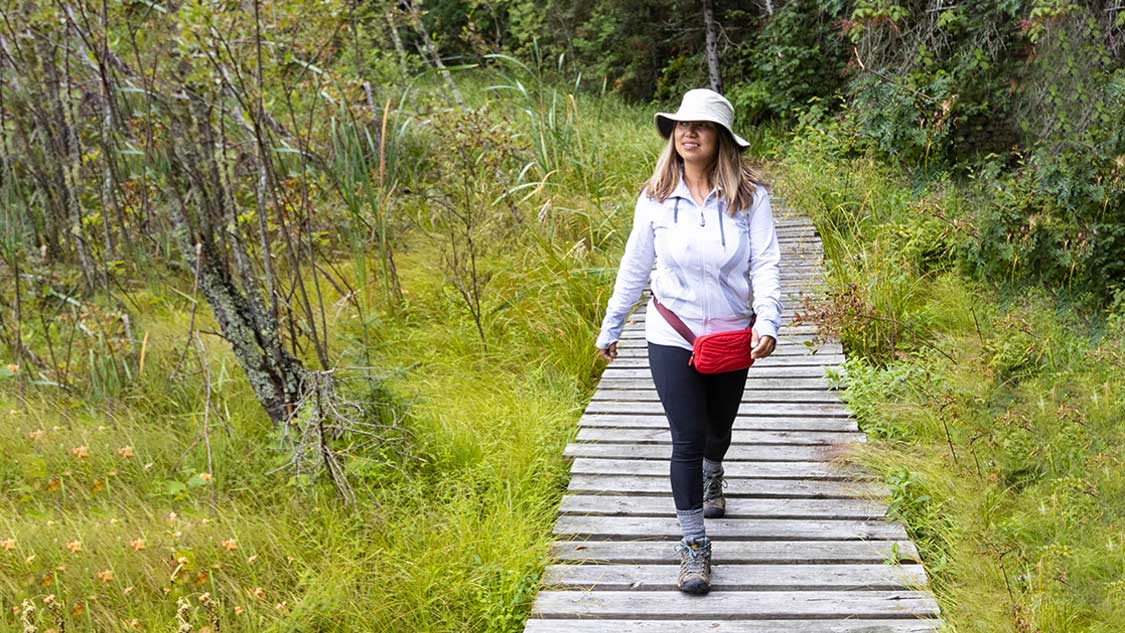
<point>737,453</point>
<point>745,408</point>
<point>733,470</point>
<point>734,626</point>
<point>744,423</point>
<point>756,488</point>
<point>783,360</point>
<point>627,527</point>
<point>786,336</point>
<point>750,396</point>
<point>737,507</point>
<point>663,436</point>
<point>727,605</point>
<point>732,577</point>
<point>740,552</point>
<point>753,384</point>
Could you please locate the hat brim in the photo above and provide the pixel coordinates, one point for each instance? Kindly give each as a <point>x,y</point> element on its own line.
<point>666,121</point>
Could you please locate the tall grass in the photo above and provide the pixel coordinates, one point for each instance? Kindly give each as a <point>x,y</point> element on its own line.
<point>994,413</point>
<point>121,505</point>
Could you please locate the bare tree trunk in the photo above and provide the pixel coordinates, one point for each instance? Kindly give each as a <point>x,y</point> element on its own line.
<point>769,7</point>
<point>274,374</point>
<point>392,26</point>
<point>431,51</point>
<point>712,46</point>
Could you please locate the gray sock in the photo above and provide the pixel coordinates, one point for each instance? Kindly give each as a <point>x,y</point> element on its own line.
<point>691,522</point>
<point>712,468</point>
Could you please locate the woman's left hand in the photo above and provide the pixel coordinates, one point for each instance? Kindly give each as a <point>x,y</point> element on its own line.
<point>761,346</point>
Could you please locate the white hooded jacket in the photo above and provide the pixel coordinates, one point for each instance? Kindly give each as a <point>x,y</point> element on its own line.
<point>713,270</point>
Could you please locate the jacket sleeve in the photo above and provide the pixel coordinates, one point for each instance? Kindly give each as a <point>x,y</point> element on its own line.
<point>632,275</point>
<point>765,271</point>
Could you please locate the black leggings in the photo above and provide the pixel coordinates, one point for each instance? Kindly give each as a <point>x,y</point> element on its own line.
<point>701,410</point>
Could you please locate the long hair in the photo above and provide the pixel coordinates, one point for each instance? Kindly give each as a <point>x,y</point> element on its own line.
<point>735,177</point>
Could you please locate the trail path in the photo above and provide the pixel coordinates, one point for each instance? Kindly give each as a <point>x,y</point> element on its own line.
<point>804,546</point>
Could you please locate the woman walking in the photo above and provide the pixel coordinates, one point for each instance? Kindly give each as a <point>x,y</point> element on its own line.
<point>704,217</point>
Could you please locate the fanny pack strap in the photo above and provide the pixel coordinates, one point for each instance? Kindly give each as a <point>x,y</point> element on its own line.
<point>678,325</point>
<point>674,321</point>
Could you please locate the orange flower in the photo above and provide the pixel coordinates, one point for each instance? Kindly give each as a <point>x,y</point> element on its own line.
<point>36,434</point>
<point>74,546</point>
<point>8,544</point>
<point>105,575</point>
<point>258,593</point>
<point>230,545</point>
<point>80,452</point>
<point>138,544</point>
<point>125,452</point>
<point>239,610</point>
<point>282,606</point>
<point>205,476</point>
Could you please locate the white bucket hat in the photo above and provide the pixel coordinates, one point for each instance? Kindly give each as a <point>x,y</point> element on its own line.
<point>701,104</point>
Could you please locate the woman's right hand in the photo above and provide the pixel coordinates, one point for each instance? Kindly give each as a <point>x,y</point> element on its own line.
<point>608,354</point>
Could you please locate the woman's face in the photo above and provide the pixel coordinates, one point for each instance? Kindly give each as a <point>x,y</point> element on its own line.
<point>696,141</point>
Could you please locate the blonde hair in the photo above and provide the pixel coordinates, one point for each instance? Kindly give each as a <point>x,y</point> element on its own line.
<point>736,178</point>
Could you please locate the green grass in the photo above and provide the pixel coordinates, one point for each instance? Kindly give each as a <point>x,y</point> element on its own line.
<point>110,502</point>
<point>995,413</point>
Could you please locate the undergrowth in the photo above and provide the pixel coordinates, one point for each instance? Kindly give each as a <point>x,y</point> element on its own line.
<point>994,410</point>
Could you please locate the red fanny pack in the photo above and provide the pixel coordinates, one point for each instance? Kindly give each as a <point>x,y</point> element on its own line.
<point>716,352</point>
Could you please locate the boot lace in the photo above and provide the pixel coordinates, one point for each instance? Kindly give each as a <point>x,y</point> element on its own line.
<point>695,560</point>
<point>713,485</point>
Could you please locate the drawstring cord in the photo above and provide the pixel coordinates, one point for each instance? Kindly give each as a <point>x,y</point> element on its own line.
<point>722,235</point>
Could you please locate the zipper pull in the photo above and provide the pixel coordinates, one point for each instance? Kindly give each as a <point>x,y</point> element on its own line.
<point>702,222</point>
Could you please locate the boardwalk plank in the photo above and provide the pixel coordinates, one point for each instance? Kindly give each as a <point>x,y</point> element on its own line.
<point>628,527</point>
<point>657,552</point>
<point>732,577</point>
<point>755,372</point>
<point>733,470</point>
<point>733,626</point>
<point>747,408</point>
<point>750,396</point>
<point>725,605</point>
<point>755,488</point>
<point>737,453</point>
<point>741,423</point>
<point>737,508</point>
<point>753,385</point>
<point>791,360</point>
<point>662,436</point>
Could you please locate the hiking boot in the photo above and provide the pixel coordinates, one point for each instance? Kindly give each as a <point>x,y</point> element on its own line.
<point>695,565</point>
<point>714,504</point>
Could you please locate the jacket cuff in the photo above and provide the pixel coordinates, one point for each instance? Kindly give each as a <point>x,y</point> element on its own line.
<point>765,328</point>
<point>606,338</point>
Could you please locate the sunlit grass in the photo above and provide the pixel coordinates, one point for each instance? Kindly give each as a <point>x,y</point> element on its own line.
<point>995,414</point>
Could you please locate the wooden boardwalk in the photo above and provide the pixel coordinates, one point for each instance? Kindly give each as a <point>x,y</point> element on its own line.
<point>804,546</point>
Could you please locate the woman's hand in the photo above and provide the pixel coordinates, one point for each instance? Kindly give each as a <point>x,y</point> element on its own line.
<point>761,346</point>
<point>608,354</point>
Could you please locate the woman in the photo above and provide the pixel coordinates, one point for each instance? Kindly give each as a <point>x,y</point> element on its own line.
<point>704,217</point>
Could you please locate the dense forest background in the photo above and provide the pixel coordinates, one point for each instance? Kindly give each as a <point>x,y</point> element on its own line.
<point>298,297</point>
